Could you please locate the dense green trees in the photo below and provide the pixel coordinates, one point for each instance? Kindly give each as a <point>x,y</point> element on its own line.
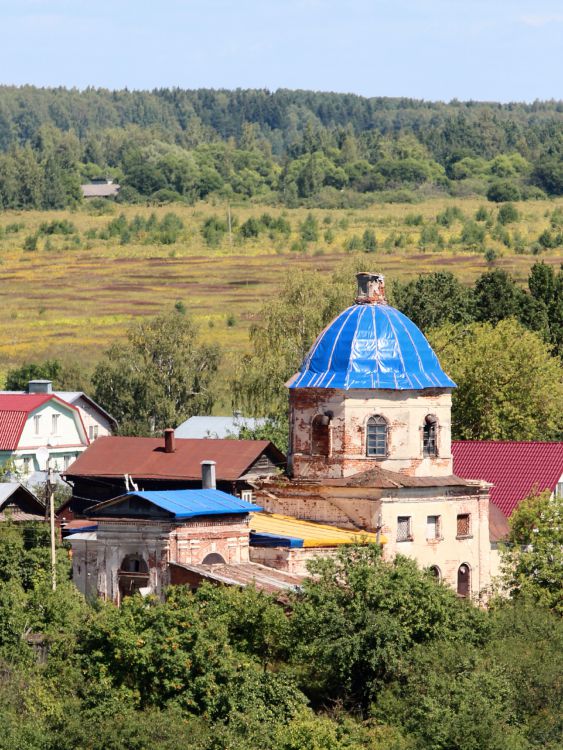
<point>368,654</point>
<point>297,146</point>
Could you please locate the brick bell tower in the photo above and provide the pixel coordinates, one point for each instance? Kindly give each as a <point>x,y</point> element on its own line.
<point>370,393</point>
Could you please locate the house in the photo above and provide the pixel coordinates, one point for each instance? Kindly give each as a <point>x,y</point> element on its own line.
<point>30,422</point>
<point>100,188</point>
<point>97,421</point>
<point>514,468</point>
<point>216,427</point>
<point>18,504</point>
<point>114,465</point>
<point>370,444</point>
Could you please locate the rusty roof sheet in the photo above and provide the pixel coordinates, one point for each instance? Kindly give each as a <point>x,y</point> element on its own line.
<point>145,458</point>
<point>378,478</point>
<point>263,578</point>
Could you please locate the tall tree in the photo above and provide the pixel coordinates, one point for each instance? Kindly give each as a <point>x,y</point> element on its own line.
<point>510,387</point>
<point>161,376</point>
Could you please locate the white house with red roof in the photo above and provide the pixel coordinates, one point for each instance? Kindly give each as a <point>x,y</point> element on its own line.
<point>29,422</point>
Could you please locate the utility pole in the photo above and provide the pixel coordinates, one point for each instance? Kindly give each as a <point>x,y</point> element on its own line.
<point>230,224</point>
<point>51,501</point>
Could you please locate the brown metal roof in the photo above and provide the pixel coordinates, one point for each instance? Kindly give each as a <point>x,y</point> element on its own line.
<point>263,578</point>
<point>145,458</point>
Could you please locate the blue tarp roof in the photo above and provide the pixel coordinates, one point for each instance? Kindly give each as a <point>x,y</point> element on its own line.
<point>190,503</point>
<point>263,539</point>
<point>371,346</point>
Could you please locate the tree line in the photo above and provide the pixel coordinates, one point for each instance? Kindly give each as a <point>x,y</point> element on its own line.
<point>295,147</point>
<point>368,654</point>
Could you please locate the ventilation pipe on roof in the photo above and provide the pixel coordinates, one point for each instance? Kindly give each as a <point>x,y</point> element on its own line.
<point>169,440</point>
<point>39,386</point>
<point>208,475</point>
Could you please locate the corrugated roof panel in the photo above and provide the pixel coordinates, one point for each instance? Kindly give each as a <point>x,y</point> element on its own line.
<point>187,503</point>
<point>11,427</point>
<point>145,458</point>
<point>312,534</point>
<point>514,468</point>
<point>371,346</point>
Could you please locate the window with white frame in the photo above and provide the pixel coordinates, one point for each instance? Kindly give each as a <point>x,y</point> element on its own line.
<point>559,489</point>
<point>433,527</point>
<point>377,437</point>
<point>55,424</point>
<point>37,423</point>
<point>67,460</point>
<point>93,432</point>
<point>27,464</point>
<point>246,495</point>
<point>404,529</point>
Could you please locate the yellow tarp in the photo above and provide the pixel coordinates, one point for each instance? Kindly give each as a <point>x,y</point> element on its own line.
<point>313,534</point>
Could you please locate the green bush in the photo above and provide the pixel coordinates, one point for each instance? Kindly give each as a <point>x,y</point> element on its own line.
<point>503,190</point>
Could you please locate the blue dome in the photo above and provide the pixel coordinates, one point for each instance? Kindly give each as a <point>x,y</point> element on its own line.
<point>371,346</point>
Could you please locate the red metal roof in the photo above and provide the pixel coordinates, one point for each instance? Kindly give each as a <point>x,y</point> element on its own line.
<point>514,468</point>
<point>145,458</point>
<point>14,410</point>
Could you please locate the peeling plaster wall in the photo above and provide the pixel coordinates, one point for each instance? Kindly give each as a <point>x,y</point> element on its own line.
<point>289,560</point>
<point>159,543</point>
<point>404,411</point>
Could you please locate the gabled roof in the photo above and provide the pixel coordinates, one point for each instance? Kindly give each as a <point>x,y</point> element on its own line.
<point>183,504</point>
<point>145,458</point>
<point>19,504</point>
<point>14,411</point>
<point>514,468</point>
<point>71,397</point>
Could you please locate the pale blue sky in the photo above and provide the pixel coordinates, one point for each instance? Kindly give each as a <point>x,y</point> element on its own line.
<point>503,50</point>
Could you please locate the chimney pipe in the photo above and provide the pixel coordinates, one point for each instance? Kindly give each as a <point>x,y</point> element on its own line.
<point>208,475</point>
<point>169,440</point>
<point>371,289</point>
<point>39,386</point>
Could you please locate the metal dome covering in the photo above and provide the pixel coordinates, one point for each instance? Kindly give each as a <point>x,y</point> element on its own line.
<point>371,346</point>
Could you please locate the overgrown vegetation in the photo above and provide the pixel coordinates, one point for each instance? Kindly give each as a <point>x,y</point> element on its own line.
<point>369,654</point>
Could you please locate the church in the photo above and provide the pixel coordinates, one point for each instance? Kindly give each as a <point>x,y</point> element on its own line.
<point>370,445</point>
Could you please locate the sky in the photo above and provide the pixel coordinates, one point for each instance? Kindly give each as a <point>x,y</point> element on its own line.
<point>501,50</point>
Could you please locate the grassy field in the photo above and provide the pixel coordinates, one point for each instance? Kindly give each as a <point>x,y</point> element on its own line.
<point>71,295</point>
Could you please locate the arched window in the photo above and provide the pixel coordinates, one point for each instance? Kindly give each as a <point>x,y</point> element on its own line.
<point>320,436</point>
<point>463,580</point>
<point>429,436</point>
<point>435,571</point>
<point>377,436</point>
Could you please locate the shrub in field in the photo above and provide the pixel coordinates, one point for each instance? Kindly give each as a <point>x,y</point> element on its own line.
<point>508,213</point>
<point>369,241</point>
<point>30,242</point>
<point>447,217</point>
<point>310,229</point>
<point>213,231</point>
<point>503,190</point>
<point>57,226</point>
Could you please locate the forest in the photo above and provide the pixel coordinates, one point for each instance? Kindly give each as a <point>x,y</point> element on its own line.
<point>294,147</point>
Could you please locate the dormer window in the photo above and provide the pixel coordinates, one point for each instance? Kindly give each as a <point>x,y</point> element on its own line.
<point>377,437</point>
<point>429,436</point>
<point>320,436</point>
